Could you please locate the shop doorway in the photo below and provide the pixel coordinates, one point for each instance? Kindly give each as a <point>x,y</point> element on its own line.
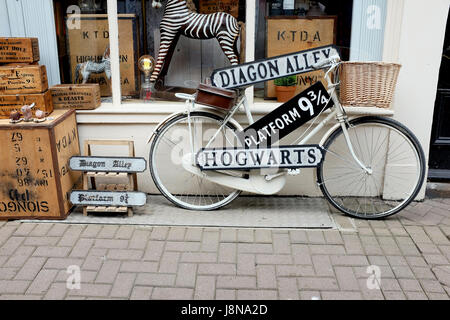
<point>440,136</point>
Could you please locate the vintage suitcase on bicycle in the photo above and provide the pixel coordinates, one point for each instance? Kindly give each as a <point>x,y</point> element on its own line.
<point>215,97</point>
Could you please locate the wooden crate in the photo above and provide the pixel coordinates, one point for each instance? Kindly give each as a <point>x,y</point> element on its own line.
<point>35,176</point>
<point>23,79</point>
<point>89,43</point>
<point>9,103</point>
<point>76,96</point>
<point>287,34</point>
<point>19,50</point>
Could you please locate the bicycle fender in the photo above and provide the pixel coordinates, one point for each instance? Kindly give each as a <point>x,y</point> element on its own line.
<point>174,115</point>
<point>329,133</point>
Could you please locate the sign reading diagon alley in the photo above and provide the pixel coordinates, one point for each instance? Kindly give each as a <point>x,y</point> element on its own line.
<point>268,69</point>
<point>108,164</point>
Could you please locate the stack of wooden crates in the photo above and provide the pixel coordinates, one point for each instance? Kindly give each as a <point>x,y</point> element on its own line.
<point>22,80</point>
<point>35,179</point>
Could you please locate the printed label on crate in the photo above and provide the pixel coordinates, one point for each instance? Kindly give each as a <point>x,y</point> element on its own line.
<point>288,117</point>
<point>108,164</point>
<point>290,157</point>
<point>108,198</point>
<point>269,69</point>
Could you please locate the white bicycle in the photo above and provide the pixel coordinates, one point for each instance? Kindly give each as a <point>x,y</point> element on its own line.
<point>372,167</point>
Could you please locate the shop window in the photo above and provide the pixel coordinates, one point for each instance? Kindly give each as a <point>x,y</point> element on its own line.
<point>83,38</point>
<point>189,60</point>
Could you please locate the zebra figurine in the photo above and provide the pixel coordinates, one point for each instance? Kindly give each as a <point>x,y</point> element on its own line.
<point>89,67</point>
<point>179,19</point>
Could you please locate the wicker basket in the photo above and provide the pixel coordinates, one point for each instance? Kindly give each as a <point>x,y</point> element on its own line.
<point>368,84</point>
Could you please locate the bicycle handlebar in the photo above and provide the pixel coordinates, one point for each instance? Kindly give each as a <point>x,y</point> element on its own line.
<point>331,60</point>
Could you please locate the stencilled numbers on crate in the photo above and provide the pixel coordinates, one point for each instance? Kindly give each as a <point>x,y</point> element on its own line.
<point>67,140</point>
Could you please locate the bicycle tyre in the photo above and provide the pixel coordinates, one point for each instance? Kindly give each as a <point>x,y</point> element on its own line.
<point>333,195</point>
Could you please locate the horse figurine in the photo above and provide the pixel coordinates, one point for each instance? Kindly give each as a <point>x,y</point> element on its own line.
<point>89,67</point>
<point>180,19</point>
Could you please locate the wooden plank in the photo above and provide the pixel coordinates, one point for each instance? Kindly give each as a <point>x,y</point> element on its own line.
<point>291,34</point>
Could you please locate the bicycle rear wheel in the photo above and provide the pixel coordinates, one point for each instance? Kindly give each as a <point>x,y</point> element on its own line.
<point>172,143</point>
<point>393,154</point>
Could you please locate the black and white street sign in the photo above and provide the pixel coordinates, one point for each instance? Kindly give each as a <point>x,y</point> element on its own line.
<point>108,198</point>
<point>286,118</point>
<point>272,68</point>
<point>108,164</point>
<point>291,157</point>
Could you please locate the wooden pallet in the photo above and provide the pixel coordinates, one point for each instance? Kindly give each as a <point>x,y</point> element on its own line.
<point>131,184</point>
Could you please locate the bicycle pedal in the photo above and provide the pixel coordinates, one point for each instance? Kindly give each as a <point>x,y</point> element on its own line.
<point>294,172</point>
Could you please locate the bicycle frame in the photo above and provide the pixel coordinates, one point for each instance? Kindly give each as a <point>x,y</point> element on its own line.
<point>261,182</point>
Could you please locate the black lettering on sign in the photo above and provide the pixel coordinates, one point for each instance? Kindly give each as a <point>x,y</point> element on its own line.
<point>287,118</point>
<point>16,137</point>
<point>66,140</point>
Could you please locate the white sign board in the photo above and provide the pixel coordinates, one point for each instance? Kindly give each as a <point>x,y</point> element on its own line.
<point>269,69</point>
<point>108,198</point>
<point>108,164</point>
<point>290,157</point>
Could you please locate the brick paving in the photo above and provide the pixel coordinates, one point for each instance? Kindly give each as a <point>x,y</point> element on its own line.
<point>411,251</point>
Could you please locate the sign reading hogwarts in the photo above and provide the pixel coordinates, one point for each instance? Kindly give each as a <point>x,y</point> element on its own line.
<point>268,69</point>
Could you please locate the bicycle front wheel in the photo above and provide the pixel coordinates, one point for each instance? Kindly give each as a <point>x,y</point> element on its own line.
<point>393,155</point>
<point>182,136</point>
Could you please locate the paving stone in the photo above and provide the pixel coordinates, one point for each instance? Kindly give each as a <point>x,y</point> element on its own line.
<point>423,273</point>
<point>107,232</point>
<point>349,260</point>
<point>11,245</point>
<point>266,277</point>
<point>159,233</point>
<point>225,294</point>
<point>341,295</point>
<point>437,296</point>
<point>436,235</point>
<point>216,269</point>
<point>236,282</point>
<point>19,258</point>
<point>92,263</point>
<point>155,279</point>
<point>62,263</point>
<point>210,241</point>
<point>108,272</point>
<point>40,230</point>
<point>287,289</point>
<point>125,254</point>
<point>275,259</point>
<point>298,236</point>
<point>315,237</point>
<point>394,295</point>
<point>442,274</point>
<point>8,273</point>
<point>176,234</point>
<point>82,248</point>
<point>295,271</point>
<point>57,291</point>
<point>169,262</point>
<point>257,294</point>
<point>13,286</point>
<point>378,260</point>
<point>326,249</point>
<point>245,235</point>
<point>397,261</point>
<point>141,293</point>
<point>123,285</point>
<point>346,279</point>
<point>124,232</point>
<point>418,234</point>
<point>227,252</point>
<point>186,275</point>
<point>255,248</point>
<point>111,244</point>
<point>92,290</point>
<point>42,282</point>
<point>91,231</point>
<point>310,295</point>
<point>281,243</point>
<point>301,254</point>
<point>30,269</point>
<point>315,283</point>
<point>139,266</point>
<point>410,285</point>
<point>71,236</point>
<point>390,285</point>
<point>154,250</point>
<point>193,234</point>
<point>323,266</point>
<point>415,295</point>
<point>333,237</point>
<point>352,244</point>
<point>185,246</point>
<point>263,236</point>
<point>199,257</point>
<point>24,229</point>
<point>205,288</point>
<point>428,248</point>
<point>435,259</point>
<point>416,262</point>
<point>227,235</point>
<point>139,239</point>
<point>86,276</point>
<point>172,294</point>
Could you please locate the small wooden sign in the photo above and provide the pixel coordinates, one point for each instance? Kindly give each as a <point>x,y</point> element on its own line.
<point>290,157</point>
<point>248,74</point>
<point>108,164</point>
<point>108,198</point>
<point>287,118</point>
<point>212,6</point>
